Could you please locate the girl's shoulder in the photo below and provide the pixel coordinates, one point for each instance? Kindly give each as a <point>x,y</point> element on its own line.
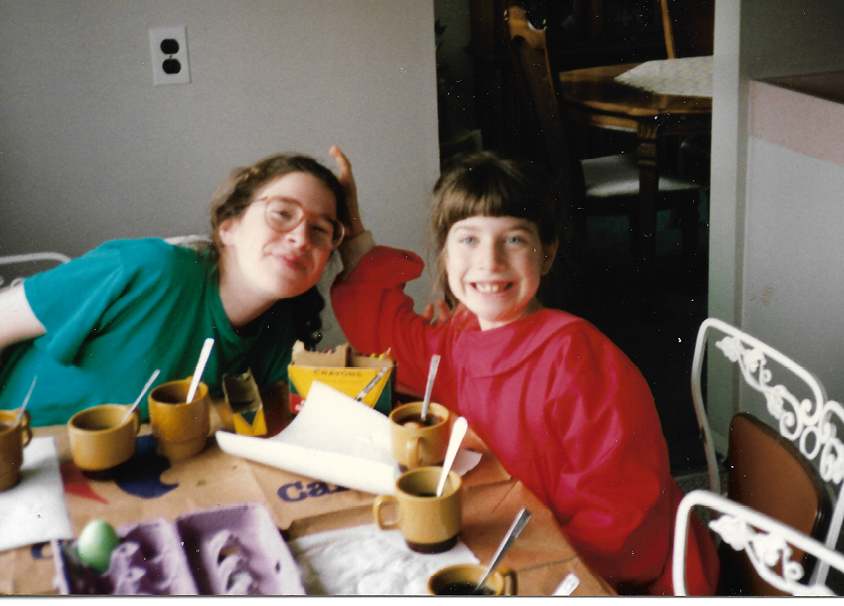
<point>553,325</point>
<point>148,251</point>
<point>152,259</point>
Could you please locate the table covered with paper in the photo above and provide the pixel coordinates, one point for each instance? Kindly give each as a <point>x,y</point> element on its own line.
<point>317,479</point>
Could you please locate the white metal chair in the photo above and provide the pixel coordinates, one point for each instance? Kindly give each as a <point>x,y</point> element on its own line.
<point>768,544</point>
<point>811,424</point>
<point>189,240</point>
<point>29,259</point>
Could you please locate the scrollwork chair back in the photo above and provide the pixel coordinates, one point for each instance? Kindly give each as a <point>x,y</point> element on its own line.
<point>767,543</point>
<point>810,423</point>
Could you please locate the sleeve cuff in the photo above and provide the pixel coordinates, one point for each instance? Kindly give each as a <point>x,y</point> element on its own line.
<point>353,250</point>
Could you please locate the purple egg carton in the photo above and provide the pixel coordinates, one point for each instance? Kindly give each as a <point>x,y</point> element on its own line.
<point>234,550</point>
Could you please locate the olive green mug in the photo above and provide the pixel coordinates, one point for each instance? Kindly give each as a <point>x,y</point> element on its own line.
<point>100,438</point>
<point>14,436</point>
<point>462,579</point>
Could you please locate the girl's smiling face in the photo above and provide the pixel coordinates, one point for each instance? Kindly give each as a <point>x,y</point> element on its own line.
<point>494,266</point>
<point>269,265</point>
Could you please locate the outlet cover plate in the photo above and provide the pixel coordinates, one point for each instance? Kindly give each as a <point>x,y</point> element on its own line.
<point>163,66</point>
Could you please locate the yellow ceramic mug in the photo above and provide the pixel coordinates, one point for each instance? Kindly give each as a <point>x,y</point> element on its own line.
<point>429,524</point>
<point>13,438</point>
<point>416,444</point>
<point>180,427</point>
<point>100,439</point>
<point>461,579</point>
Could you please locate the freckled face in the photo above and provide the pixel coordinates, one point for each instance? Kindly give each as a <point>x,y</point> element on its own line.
<point>270,265</point>
<point>494,266</point>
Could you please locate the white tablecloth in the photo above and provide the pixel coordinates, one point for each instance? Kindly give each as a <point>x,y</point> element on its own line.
<point>689,76</point>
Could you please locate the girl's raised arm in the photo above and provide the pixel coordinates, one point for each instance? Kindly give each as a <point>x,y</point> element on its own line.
<point>17,320</point>
<point>347,180</point>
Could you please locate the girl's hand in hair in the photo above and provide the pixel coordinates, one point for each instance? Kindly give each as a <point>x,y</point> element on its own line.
<point>347,180</point>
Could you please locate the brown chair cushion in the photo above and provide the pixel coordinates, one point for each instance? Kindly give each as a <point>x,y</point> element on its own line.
<point>767,473</point>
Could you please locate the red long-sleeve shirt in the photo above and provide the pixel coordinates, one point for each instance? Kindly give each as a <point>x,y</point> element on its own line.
<point>560,406</point>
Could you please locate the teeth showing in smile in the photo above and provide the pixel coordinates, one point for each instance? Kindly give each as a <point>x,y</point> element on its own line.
<point>490,288</point>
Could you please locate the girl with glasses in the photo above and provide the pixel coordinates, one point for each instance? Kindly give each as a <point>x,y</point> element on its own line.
<point>94,329</point>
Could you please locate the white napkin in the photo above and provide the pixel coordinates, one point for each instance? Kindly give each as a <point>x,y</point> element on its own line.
<point>34,509</point>
<point>690,76</point>
<point>334,438</point>
<point>365,560</point>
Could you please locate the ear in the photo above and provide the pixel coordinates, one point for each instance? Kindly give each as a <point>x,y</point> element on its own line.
<point>226,228</point>
<point>550,255</point>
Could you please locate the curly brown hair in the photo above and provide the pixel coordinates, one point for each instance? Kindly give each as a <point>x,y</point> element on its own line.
<point>238,191</point>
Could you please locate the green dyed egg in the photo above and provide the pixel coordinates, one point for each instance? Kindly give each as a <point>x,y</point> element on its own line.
<point>95,544</point>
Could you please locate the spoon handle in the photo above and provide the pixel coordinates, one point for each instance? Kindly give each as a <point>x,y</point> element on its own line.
<point>19,416</point>
<point>519,523</point>
<point>138,401</point>
<point>458,431</point>
<point>432,374</point>
<point>200,367</point>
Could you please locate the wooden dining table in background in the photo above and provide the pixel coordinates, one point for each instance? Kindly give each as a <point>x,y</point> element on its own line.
<point>595,97</point>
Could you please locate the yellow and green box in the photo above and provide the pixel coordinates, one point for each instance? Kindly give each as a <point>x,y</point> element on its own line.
<point>345,370</point>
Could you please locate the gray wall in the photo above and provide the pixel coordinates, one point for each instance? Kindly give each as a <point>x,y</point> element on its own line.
<point>90,150</point>
<point>762,197</point>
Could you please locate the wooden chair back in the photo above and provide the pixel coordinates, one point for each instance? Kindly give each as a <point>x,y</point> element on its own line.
<point>539,82</point>
<point>689,27</point>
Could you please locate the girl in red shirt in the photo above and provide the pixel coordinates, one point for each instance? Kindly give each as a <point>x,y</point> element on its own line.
<point>560,406</point>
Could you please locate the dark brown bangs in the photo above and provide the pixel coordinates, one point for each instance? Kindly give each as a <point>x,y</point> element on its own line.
<point>484,184</point>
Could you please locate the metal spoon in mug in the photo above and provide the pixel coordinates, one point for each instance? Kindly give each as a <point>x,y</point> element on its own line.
<point>200,367</point>
<point>458,431</point>
<point>515,528</point>
<point>138,401</point>
<point>19,416</point>
<point>432,373</point>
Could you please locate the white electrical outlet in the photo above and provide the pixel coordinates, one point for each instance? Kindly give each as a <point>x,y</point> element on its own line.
<point>169,48</point>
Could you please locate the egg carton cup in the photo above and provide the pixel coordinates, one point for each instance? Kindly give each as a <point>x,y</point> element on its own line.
<point>234,550</point>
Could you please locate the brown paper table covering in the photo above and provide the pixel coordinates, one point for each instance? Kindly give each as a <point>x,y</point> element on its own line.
<point>541,556</point>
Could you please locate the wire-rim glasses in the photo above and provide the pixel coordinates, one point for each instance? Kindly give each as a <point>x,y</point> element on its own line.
<point>284,215</point>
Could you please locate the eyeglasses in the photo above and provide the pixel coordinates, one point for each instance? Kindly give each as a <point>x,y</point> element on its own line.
<point>284,215</point>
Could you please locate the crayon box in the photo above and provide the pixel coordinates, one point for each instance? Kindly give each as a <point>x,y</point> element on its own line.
<point>368,378</point>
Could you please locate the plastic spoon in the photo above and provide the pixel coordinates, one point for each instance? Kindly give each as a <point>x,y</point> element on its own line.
<point>432,373</point>
<point>19,416</point>
<point>138,401</point>
<point>458,431</point>
<point>200,368</point>
<point>521,519</point>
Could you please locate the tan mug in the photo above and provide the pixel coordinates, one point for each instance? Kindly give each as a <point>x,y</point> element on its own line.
<point>13,438</point>
<point>180,427</point>
<point>461,579</point>
<point>100,439</point>
<point>429,524</point>
<point>416,444</point>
